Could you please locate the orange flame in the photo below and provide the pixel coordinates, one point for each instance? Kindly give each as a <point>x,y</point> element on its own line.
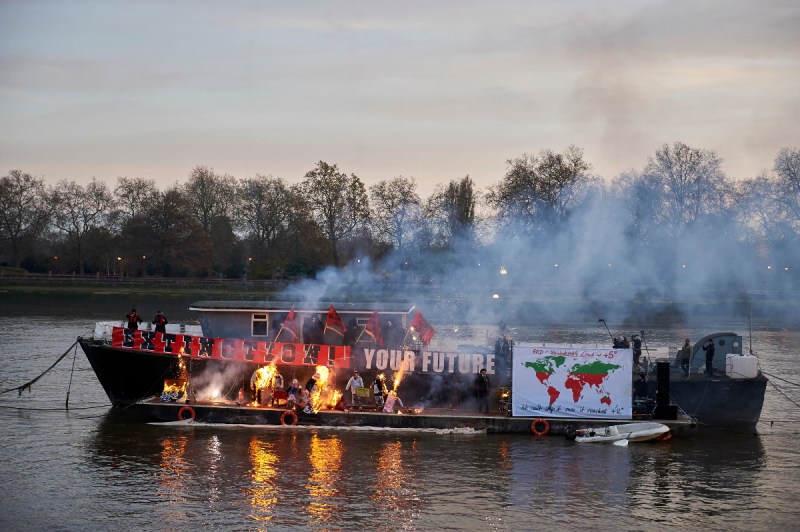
<point>174,386</point>
<point>335,396</point>
<point>398,376</point>
<point>265,376</point>
<point>316,395</point>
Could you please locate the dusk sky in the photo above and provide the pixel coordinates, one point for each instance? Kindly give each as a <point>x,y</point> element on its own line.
<point>430,90</point>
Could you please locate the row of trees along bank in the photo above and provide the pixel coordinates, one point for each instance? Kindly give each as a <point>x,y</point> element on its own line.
<point>549,206</point>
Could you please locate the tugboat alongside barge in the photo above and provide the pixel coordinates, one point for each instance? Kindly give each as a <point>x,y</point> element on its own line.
<point>136,368</point>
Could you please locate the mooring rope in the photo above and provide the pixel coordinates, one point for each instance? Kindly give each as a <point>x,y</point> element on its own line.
<point>779,378</point>
<point>784,394</point>
<point>30,383</point>
<point>69,386</point>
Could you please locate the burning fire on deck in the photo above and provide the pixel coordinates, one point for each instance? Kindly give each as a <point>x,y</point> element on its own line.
<point>264,378</point>
<point>174,389</point>
<point>315,400</point>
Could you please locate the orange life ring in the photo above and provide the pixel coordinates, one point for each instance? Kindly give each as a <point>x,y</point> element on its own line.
<point>186,409</point>
<point>289,413</point>
<point>536,423</point>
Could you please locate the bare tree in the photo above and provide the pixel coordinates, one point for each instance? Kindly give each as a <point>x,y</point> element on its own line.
<point>78,210</point>
<point>167,239</point>
<point>134,195</point>
<point>787,171</point>
<point>209,195</point>
<point>772,202</point>
<point>692,183</point>
<point>264,209</point>
<point>24,211</point>
<point>396,208</point>
<point>538,192</point>
<point>338,203</point>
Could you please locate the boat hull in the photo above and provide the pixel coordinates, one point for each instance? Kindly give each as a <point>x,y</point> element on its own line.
<point>128,376</point>
<point>720,402</point>
<point>632,432</point>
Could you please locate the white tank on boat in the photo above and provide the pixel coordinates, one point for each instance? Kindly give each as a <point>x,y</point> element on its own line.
<point>741,366</point>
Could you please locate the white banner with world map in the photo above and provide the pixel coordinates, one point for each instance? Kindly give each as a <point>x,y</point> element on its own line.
<point>571,382</point>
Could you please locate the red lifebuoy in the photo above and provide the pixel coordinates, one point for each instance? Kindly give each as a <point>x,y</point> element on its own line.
<point>183,410</point>
<point>289,413</point>
<point>535,427</point>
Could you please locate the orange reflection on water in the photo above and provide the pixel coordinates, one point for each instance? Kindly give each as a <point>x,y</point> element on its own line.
<point>264,473</point>
<point>172,474</point>
<point>392,486</point>
<point>325,457</point>
<point>173,464</point>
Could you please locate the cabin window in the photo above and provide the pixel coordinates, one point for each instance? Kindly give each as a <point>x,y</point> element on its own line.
<point>260,324</point>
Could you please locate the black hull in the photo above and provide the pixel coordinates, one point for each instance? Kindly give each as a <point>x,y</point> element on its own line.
<point>126,376</point>
<point>721,402</point>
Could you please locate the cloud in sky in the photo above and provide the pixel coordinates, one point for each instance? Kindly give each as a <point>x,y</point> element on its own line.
<point>435,91</point>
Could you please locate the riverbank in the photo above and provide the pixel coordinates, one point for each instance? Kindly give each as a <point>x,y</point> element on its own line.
<point>101,297</point>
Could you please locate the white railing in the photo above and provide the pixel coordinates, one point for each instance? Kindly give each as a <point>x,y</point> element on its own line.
<point>103,329</point>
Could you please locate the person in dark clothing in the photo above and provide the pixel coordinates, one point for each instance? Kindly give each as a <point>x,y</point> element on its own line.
<point>709,349</point>
<point>133,319</point>
<point>686,357</point>
<point>502,347</point>
<point>637,348</point>
<point>312,382</point>
<point>482,391</point>
<point>160,321</point>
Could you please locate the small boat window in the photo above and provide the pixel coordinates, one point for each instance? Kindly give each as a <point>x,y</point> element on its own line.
<point>260,324</point>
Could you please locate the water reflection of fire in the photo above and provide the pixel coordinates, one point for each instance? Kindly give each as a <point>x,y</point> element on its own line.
<point>265,474</point>
<point>394,486</point>
<point>325,457</point>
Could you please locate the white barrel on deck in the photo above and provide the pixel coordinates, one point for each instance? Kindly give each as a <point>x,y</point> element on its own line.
<point>741,366</point>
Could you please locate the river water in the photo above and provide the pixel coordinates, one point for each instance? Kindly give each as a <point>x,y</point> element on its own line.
<point>84,469</point>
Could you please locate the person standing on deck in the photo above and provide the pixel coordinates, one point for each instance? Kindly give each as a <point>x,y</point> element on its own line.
<point>482,391</point>
<point>353,385</point>
<point>160,321</point>
<point>709,349</point>
<point>133,319</point>
<point>686,356</point>
<point>637,349</point>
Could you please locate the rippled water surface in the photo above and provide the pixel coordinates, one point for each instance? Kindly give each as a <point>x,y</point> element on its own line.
<point>86,470</point>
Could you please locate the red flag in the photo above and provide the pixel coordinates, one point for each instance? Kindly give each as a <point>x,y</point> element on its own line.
<point>334,322</point>
<point>290,326</point>
<point>421,325</point>
<point>373,329</point>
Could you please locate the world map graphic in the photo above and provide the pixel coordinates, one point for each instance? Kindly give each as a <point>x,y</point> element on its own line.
<point>551,371</point>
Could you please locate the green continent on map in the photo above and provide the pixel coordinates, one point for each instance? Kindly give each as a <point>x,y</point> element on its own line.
<point>593,374</point>
<point>546,366</point>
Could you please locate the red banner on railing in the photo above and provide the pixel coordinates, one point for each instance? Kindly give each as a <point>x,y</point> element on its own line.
<point>233,350</point>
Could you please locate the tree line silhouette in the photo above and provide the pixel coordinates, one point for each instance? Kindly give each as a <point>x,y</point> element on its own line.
<point>548,206</point>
